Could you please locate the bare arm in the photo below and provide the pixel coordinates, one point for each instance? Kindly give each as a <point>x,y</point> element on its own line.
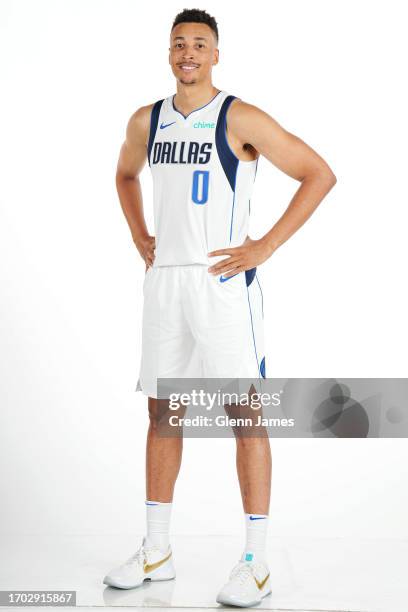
<point>250,127</point>
<point>132,158</point>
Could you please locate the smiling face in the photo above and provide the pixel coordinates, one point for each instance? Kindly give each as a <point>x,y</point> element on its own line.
<point>193,52</point>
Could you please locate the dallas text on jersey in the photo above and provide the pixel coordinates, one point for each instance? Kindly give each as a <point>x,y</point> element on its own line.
<point>182,152</point>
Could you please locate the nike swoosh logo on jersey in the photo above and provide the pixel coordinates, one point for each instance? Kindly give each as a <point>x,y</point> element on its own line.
<point>222,279</point>
<point>152,566</point>
<point>257,518</point>
<point>164,125</point>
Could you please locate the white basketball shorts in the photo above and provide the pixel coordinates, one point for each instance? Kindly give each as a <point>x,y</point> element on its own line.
<point>198,325</point>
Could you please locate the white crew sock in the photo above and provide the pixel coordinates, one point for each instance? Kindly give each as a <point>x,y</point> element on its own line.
<point>158,523</point>
<point>255,545</point>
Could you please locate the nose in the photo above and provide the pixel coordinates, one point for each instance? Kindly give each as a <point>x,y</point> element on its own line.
<point>188,53</point>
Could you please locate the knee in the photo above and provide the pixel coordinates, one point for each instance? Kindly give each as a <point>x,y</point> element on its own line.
<point>154,417</point>
<point>159,413</point>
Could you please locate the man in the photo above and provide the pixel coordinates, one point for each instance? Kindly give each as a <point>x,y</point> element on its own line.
<point>203,316</point>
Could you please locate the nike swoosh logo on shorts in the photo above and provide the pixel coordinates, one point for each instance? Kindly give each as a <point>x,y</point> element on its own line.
<point>222,279</point>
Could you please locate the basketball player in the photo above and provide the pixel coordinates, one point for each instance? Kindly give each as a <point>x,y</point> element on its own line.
<point>202,314</point>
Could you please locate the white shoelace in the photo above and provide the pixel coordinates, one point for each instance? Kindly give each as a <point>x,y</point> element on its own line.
<point>241,572</point>
<point>140,556</point>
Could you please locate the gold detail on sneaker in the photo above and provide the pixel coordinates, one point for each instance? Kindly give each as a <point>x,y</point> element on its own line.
<point>152,566</point>
<point>261,585</point>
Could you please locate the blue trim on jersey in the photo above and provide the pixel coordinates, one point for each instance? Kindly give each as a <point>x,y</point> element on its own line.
<point>196,109</point>
<point>154,120</point>
<point>233,206</point>
<point>260,289</point>
<point>256,167</point>
<point>228,159</point>
<point>262,367</point>
<point>253,334</point>
<point>249,275</point>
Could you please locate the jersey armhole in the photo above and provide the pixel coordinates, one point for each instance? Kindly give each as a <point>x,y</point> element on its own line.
<point>228,159</point>
<point>154,120</point>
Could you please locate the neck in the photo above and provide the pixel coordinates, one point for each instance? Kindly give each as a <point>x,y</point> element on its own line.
<point>190,97</point>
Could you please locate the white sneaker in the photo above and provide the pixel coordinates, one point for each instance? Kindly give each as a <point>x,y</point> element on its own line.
<point>148,563</point>
<point>248,583</point>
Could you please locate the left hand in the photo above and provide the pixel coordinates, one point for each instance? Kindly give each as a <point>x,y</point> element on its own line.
<point>250,254</point>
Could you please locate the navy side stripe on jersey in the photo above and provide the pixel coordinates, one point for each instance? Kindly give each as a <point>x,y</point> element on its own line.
<point>249,275</point>
<point>228,159</point>
<point>154,120</point>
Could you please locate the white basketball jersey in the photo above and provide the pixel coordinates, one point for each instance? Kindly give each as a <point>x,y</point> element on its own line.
<point>201,190</point>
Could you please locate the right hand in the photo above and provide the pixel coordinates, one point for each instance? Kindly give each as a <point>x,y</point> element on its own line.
<point>146,249</point>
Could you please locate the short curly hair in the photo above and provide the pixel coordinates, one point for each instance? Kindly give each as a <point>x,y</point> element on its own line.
<point>196,16</point>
